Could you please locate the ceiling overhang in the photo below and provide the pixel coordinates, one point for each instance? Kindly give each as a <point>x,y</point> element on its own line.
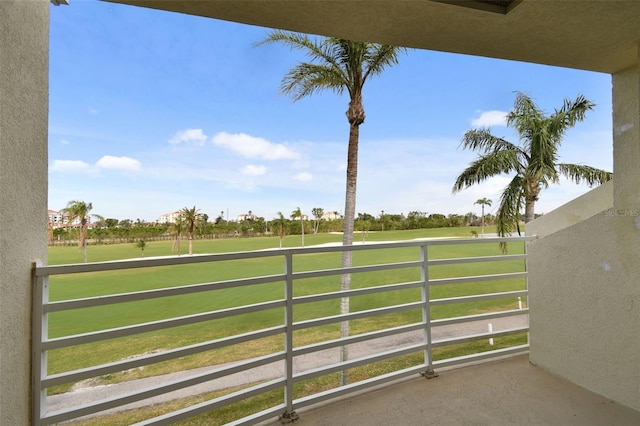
<point>598,36</point>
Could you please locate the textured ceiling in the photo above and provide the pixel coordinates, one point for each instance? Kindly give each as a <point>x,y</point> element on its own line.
<point>596,35</point>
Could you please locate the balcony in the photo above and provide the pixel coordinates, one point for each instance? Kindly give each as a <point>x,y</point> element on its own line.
<point>472,381</point>
<point>500,392</point>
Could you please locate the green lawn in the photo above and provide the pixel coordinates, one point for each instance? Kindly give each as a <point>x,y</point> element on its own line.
<point>111,282</point>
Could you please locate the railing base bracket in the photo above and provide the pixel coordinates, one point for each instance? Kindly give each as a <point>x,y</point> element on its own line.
<point>429,374</point>
<point>288,417</point>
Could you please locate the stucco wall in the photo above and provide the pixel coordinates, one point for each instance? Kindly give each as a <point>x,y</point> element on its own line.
<point>584,302</point>
<point>593,202</point>
<point>584,280</point>
<point>24,44</point>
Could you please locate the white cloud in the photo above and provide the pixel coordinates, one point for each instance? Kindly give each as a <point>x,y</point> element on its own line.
<point>70,166</point>
<point>303,177</point>
<point>64,142</point>
<point>118,163</point>
<point>253,147</point>
<point>190,136</point>
<point>490,118</point>
<point>251,170</point>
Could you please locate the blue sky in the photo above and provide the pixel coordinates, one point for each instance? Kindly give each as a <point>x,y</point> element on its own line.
<point>152,111</point>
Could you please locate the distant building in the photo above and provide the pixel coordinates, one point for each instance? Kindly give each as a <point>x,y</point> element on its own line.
<point>59,220</point>
<point>56,219</point>
<point>169,217</point>
<point>331,216</point>
<point>246,216</point>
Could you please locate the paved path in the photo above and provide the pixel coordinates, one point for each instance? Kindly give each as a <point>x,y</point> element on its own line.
<point>84,395</point>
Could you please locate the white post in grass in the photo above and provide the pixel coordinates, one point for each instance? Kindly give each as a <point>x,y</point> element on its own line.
<point>491,331</point>
<point>519,302</point>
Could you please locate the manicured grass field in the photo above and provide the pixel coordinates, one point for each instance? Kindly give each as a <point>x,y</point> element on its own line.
<point>102,283</point>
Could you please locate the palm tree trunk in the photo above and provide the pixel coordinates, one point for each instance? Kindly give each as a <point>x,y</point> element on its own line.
<point>190,244</point>
<point>529,214</point>
<point>83,237</point>
<point>347,237</point>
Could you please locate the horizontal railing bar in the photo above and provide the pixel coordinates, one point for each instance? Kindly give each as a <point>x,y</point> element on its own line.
<point>481,355</point>
<point>478,336</point>
<point>456,241</point>
<point>79,339</point>
<point>203,258</point>
<point>81,374</point>
<point>476,297</point>
<point>355,270</point>
<point>75,268</point>
<point>478,259</point>
<point>412,243</point>
<point>355,315</point>
<point>361,385</point>
<point>127,398</point>
<point>268,414</point>
<point>355,247</point>
<point>153,294</point>
<point>461,280</point>
<point>329,344</point>
<point>356,292</point>
<point>352,363</point>
<point>479,317</point>
<point>206,406</point>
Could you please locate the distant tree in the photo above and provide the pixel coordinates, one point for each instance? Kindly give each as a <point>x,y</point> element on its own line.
<point>279,226</point>
<point>141,244</point>
<point>176,230</point>
<point>364,226</point>
<point>317,214</point>
<point>111,223</point>
<point>534,163</point>
<point>483,202</point>
<point>297,214</point>
<point>50,232</point>
<point>80,210</point>
<point>192,217</point>
<point>365,216</point>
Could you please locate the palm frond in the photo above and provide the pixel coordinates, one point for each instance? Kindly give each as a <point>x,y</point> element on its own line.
<point>306,79</point>
<point>489,165</point>
<point>571,113</point>
<point>378,57</point>
<point>483,140</point>
<point>511,202</point>
<point>581,173</point>
<point>524,115</point>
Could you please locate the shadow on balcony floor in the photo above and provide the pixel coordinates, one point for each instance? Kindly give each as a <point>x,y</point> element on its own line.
<point>507,392</point>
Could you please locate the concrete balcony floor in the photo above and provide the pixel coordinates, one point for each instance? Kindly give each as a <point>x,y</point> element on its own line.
<point>507,392</point>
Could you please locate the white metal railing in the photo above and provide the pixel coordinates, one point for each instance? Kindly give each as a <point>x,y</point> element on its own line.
<point>289,304</point>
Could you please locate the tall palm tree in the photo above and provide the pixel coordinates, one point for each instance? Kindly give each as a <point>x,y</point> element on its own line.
<point>191,216</point>
<point>279,226</point>
<point>297,213</point>
<point>80,211</point>
<point>534,161</point>
<point>338,65</point>
<point>483,202</point>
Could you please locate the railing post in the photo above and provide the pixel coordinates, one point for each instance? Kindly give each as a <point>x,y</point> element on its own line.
<point>39,332</point>
<point>289,415</point>
<point>426,310</point>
